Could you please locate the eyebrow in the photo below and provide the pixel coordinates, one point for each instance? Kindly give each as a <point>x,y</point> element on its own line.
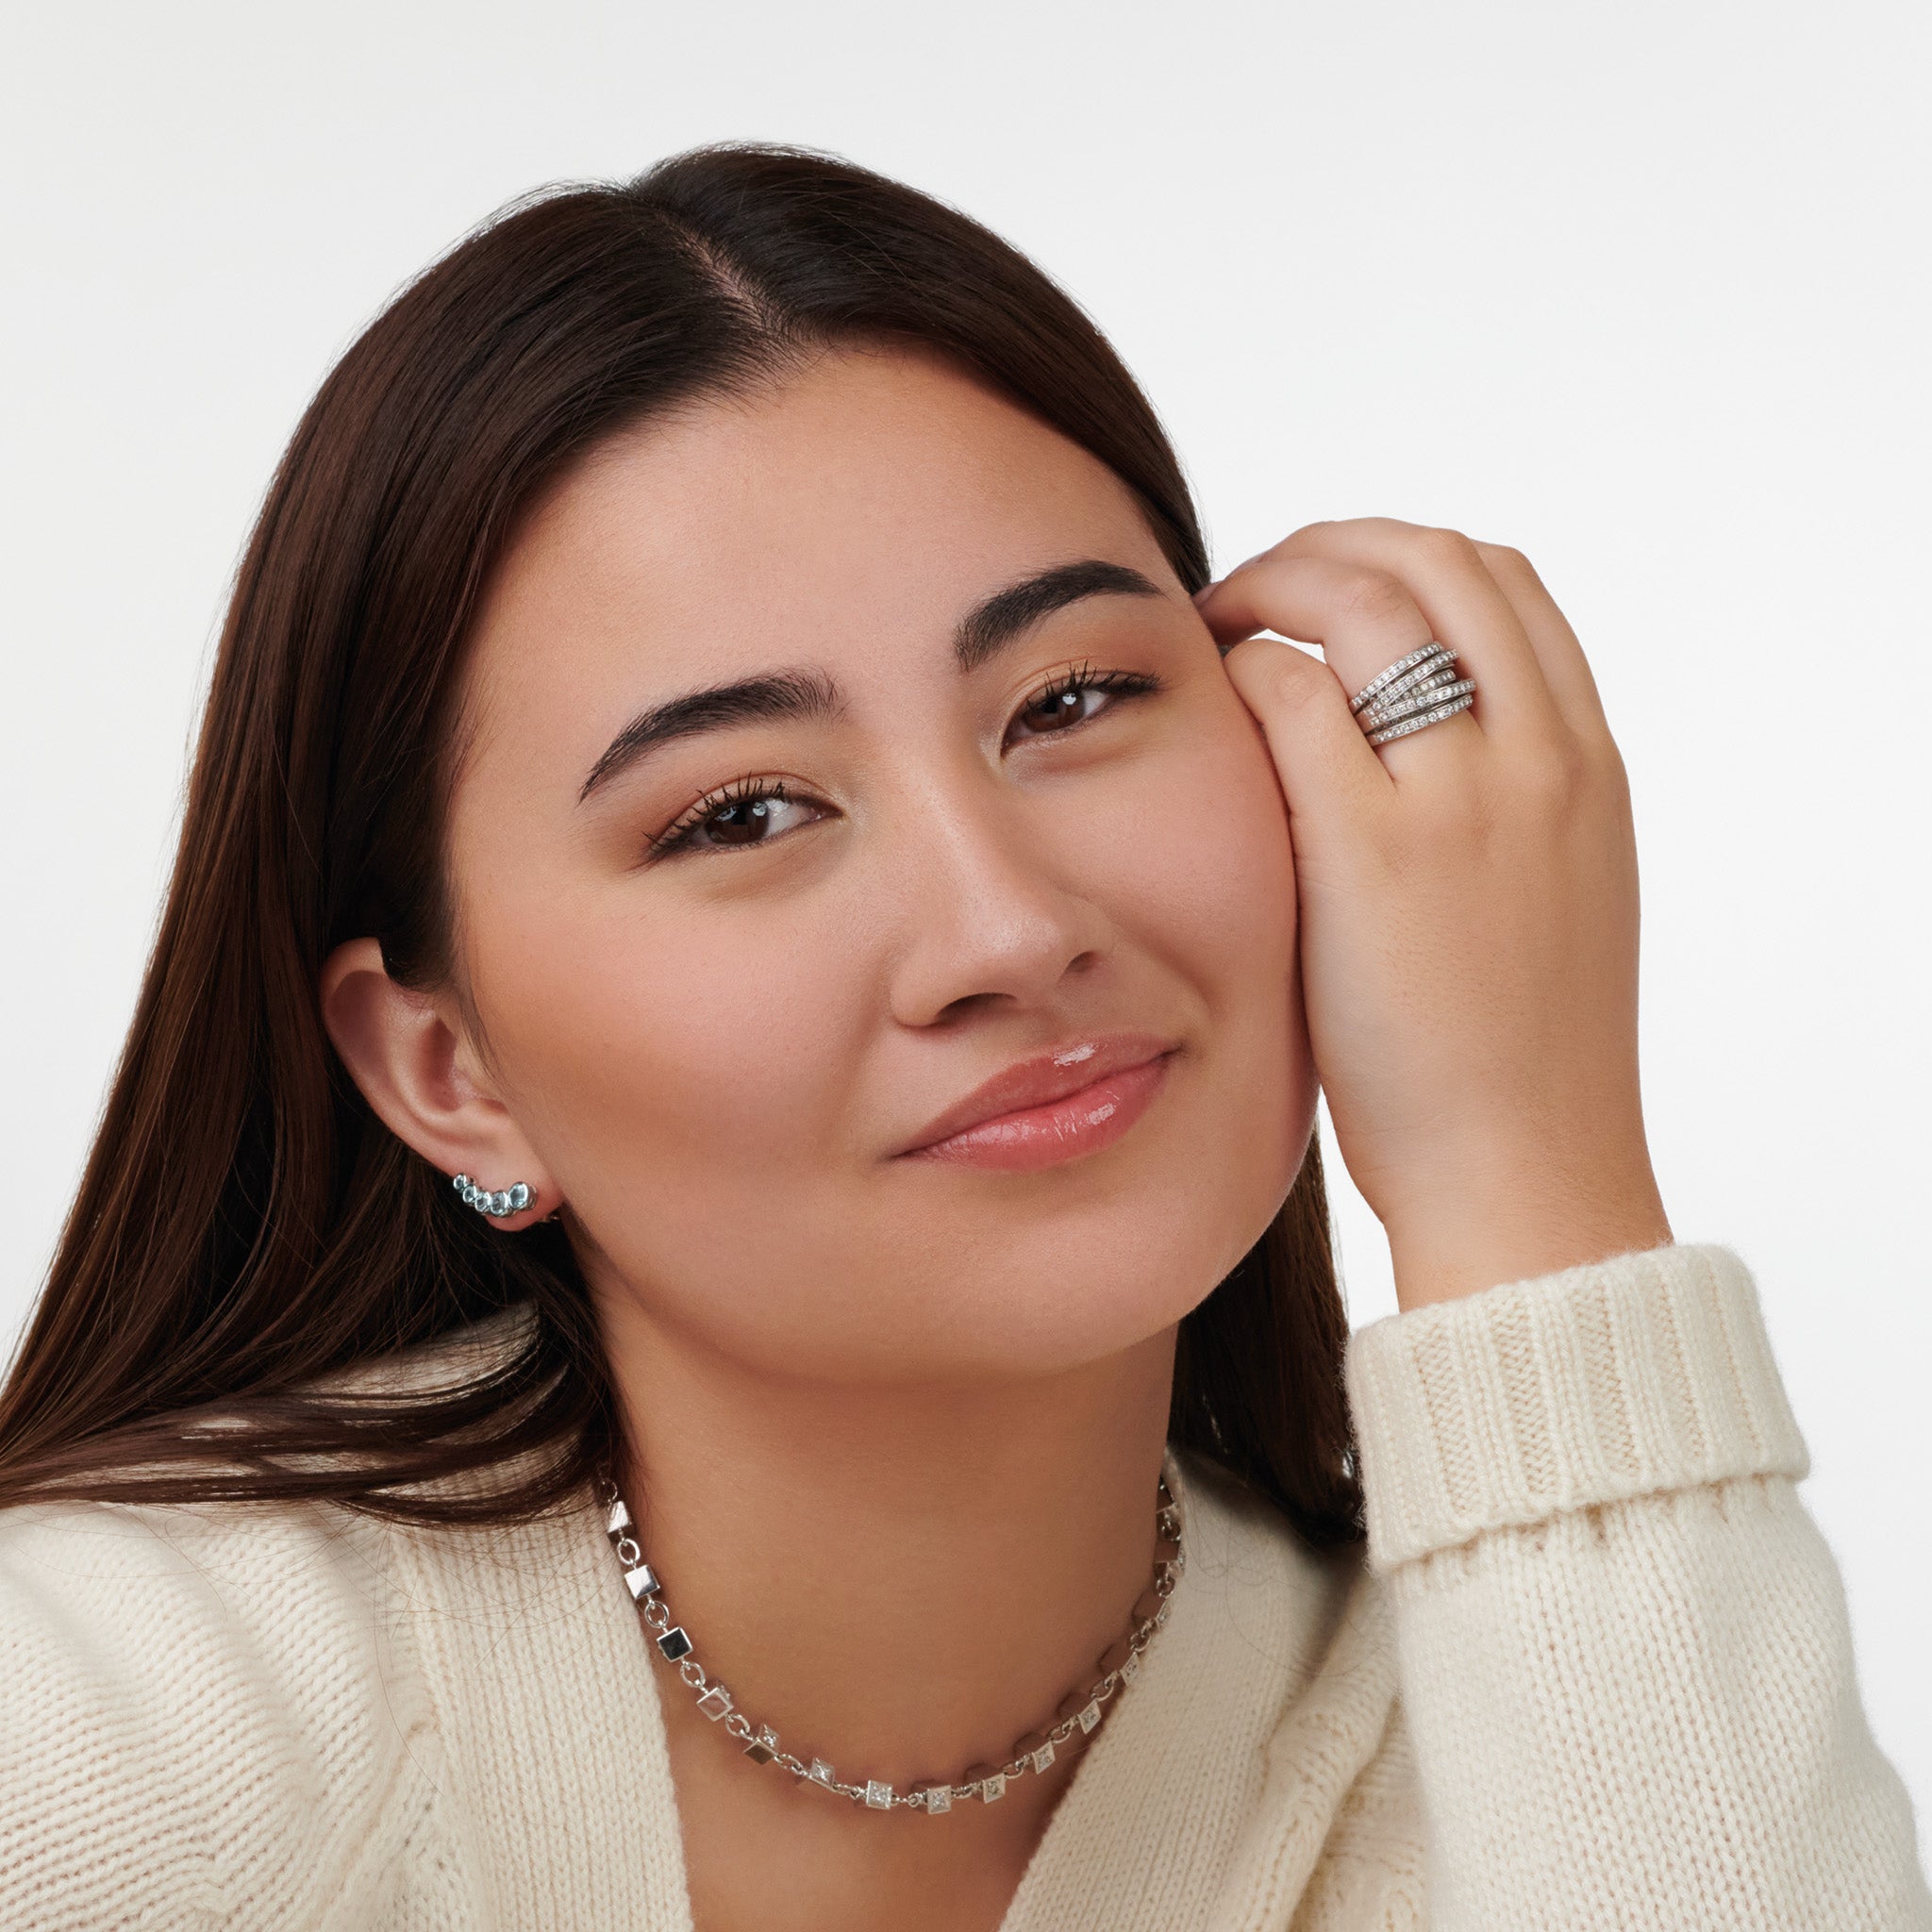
<point>810,693</point>
<point>1008,613</point>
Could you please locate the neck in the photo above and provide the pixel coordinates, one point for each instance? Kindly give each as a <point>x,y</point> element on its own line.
<point>900,1580</point>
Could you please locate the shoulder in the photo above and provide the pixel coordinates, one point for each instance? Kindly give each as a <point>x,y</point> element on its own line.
<point>216,1711</point>
<point>201,1704</point>
<point>130,1593</point>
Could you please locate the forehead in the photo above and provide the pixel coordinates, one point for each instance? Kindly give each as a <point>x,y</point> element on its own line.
<point>878,488</point>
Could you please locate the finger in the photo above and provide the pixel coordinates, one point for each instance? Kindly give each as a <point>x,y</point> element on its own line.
<point>1465,608</point>
<point>1566,670</point>
<point>1365,619</point>
<point>1320,754</point>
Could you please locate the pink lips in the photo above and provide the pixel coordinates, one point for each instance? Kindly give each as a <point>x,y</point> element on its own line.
<point>1055,1106</point>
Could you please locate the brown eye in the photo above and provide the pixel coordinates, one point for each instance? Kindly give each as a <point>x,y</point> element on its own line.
<point>1077,697</point>
<point>745,823</point>
<point>754,813</point>
<point>1053,709</point>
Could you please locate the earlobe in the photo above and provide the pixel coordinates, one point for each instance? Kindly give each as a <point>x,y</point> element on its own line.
<point>404,1049</point>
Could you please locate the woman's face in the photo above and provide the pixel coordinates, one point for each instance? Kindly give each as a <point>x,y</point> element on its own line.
<point>723,1031</point>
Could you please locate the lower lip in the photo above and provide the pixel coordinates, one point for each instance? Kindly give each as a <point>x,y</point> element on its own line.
<point>1064,1129</point>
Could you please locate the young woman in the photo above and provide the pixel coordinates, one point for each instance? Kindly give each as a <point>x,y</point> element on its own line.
<point>704,1294</point>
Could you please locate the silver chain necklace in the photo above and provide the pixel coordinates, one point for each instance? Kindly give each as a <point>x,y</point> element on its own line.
<point>1033,1750</point>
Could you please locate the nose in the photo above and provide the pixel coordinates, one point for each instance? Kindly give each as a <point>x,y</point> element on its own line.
<point>993,914</point>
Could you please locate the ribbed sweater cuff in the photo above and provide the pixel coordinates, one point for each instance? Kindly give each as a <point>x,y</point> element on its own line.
<point>1646,1372</point>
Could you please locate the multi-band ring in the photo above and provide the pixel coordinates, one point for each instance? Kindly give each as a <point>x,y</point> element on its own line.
<point>1412,694</point>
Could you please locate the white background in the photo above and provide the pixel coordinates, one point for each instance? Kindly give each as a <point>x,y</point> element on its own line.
<point>1639,289</point>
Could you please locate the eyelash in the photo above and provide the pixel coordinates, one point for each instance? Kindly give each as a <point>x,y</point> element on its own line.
<point>1085,677</point>
<point>680,836</point>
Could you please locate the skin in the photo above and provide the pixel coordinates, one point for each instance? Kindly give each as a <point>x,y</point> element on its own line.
<point>895,1425</point>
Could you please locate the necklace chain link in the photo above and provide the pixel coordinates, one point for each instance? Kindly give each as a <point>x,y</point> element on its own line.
<point>1079,1714</point>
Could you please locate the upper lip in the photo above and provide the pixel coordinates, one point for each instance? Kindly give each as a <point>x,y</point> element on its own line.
<point>1046,1077</point>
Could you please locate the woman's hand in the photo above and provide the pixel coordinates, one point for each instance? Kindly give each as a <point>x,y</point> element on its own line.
<point>1468,902</point>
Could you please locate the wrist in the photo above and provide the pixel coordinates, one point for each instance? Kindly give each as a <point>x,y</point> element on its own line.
<point>1538,1226</point>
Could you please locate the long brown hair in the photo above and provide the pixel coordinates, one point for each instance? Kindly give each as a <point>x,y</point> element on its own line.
<point>246,1228</point>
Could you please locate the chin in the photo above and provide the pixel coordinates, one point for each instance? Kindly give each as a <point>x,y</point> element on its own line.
<point>1032,1288</point>
<point>1042,1300</point>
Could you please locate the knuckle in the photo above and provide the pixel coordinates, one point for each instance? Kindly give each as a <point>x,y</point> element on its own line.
<point>1605,763</point>
<point>1373,596</point>
<point>1310,535</point>
<point>1289,688</point>
<point>1260,666</point>
<point>1447,547</point>
<point>1508,564</point>
<point>1313,692</point>
<point>1281,685</point>
<point>1554,775</point>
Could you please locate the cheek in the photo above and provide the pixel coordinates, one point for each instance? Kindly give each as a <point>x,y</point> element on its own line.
<point>1205,882</point>
<point>659,1069</point>
<point>1206,859</point>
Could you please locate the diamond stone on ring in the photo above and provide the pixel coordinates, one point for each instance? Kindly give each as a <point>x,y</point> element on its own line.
<point>1412,703</point>
<point>1378,684</point>
<point>1426,676</point>
<point>1412,694</point>
<point>1409,725</point>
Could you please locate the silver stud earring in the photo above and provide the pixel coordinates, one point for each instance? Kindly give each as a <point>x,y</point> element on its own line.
<point>504,1201</point>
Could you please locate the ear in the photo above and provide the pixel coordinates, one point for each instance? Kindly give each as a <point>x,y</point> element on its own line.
<point>410,1054</point>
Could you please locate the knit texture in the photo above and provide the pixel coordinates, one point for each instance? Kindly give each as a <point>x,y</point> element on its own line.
<point>1593,1670</point>
<point>1635,1376</point>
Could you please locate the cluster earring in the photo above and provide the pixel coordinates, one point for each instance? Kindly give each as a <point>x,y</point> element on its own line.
<point>504,1201</point>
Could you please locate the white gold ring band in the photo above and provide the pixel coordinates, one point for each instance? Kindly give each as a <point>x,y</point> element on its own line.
<point>1411,695</point>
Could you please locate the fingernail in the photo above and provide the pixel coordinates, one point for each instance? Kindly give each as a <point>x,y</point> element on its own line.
<point>1207,590</point>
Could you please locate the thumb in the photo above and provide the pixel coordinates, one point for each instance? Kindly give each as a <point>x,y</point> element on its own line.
<point>1323,761</point>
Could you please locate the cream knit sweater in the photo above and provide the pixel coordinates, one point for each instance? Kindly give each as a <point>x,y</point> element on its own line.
<point>1596,1673</point>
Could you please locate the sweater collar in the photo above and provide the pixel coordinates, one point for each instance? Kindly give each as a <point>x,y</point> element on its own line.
<point>1200,1794</point>
<point>1184,1809</point>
